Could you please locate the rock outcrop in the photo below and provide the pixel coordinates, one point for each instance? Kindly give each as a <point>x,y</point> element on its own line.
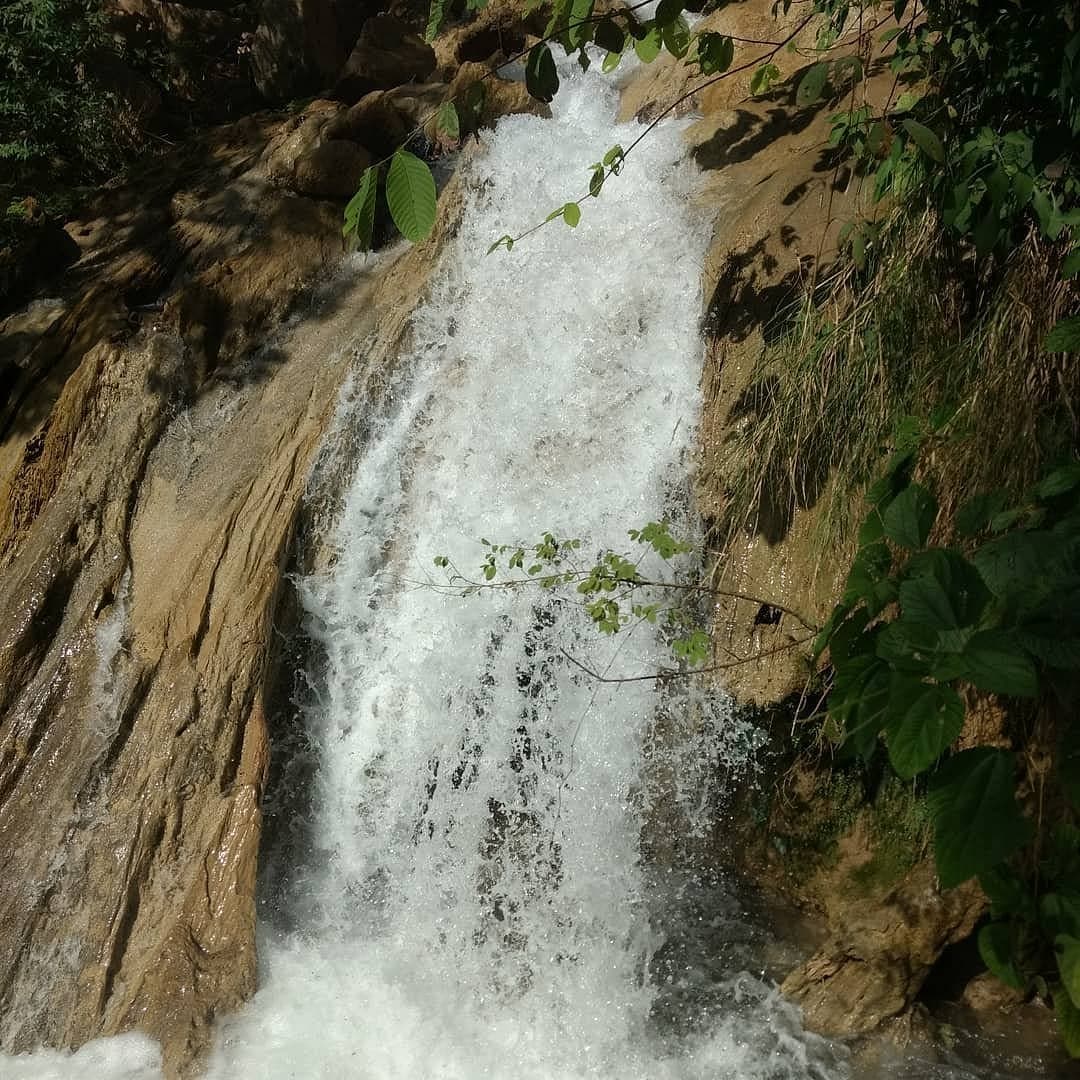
<point>159,425</point>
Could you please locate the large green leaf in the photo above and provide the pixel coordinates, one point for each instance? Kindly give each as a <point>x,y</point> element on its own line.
<point>942,589</point>
<point>436,13</point>
<point>995,948</point>
<point>360,212</point>
<point>715,53</point>
<point>858,702</point>
<point>812,84</point>
<point>923,721</point>
<point>411,196</point>
<point>975,515</point>
<point>541,78</point>
<point>977,823</point>
<point>1065,336</point>
<point>579,27</point>
<point>1059,913</point>
<point>994,662</point>
<point>648,47</point>
<point>1068,957</point>
<point>448,121</point>
<point>870,565</point>
<point>1068,1018</point>
<point>925,140</point>
<point>908,646</point>
<point>609,36</point>
<point>909,518</point>
<point>676,36</point>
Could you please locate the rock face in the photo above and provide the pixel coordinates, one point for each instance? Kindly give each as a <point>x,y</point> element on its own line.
<point>298,48</point>
<point>150,478</point>
<point>157,430</point>
<point>388,53</point>
<point>873,969</point>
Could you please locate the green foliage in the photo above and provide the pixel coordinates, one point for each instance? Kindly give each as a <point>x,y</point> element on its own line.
<point>1001,615</point>
<point>410,195</point>
<point>60,127</point>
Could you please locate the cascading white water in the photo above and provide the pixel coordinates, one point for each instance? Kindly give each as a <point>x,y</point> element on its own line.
<point>475,903</point>
<point>476,906</point>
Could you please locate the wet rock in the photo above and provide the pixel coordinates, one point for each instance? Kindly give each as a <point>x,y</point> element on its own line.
<point>986,992</point>
<point>502,97</point>
<point>874,967</point>
<point>374,121</point>
<point>151,469</point>
<point>387,54</point>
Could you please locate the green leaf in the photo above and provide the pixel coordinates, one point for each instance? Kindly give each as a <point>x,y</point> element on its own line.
<point>715,52</point>
<point>1058,482</point>
<point>411,196</point>
<point>1071,266</point>
<point>942,589</point>
<point>925,140</point>
<point>1059,913</point>
<point>611,62</point>
<point>503,241</point>
<point>360,212</point>
<point>909,518</point>
<point>609,36</point>
<point>974,516</point>
<point>1006,892</point>
<point>596,182</point>
<point>648,47</point>
<point>447,121</point>
<point>541,78</point>
<point>924,720</point>
<point>436,13</point>
<point>812,85</point>
<point>994,662</point>
<point>571,214</point>
<point>910,647</point>
<point>1067,948</point>
<point>763,78</point>
<point>870,565</point>
<point>1068,1018</point>
<point>995,948</point>
<point>579,25</point>
<point>977,823</point>
<point>676,36</point>
<point>1064,337</point>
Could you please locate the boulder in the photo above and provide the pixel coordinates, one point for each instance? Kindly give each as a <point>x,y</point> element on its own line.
<point>306,159</point>
<point>387,54</point>
<point>331,170</point>
<point>297,48</point>
<point>502,97</point>
<point>373,121</point>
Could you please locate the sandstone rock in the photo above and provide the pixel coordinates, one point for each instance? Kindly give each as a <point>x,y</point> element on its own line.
<point>297,48</point>
<point>872,969</point>
<point>387,54</point>
<point>331,170</point>
<point>502,97</point>
<point>987,992</point>
<point>373,121</point>
<point>191,25</point>
<point>303,158</point>
<point>146,509</point>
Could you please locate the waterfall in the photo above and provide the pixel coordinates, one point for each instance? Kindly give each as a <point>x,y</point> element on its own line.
<point>474,902</point>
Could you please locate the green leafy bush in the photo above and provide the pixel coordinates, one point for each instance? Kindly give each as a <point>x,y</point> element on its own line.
<point>919,627</point>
